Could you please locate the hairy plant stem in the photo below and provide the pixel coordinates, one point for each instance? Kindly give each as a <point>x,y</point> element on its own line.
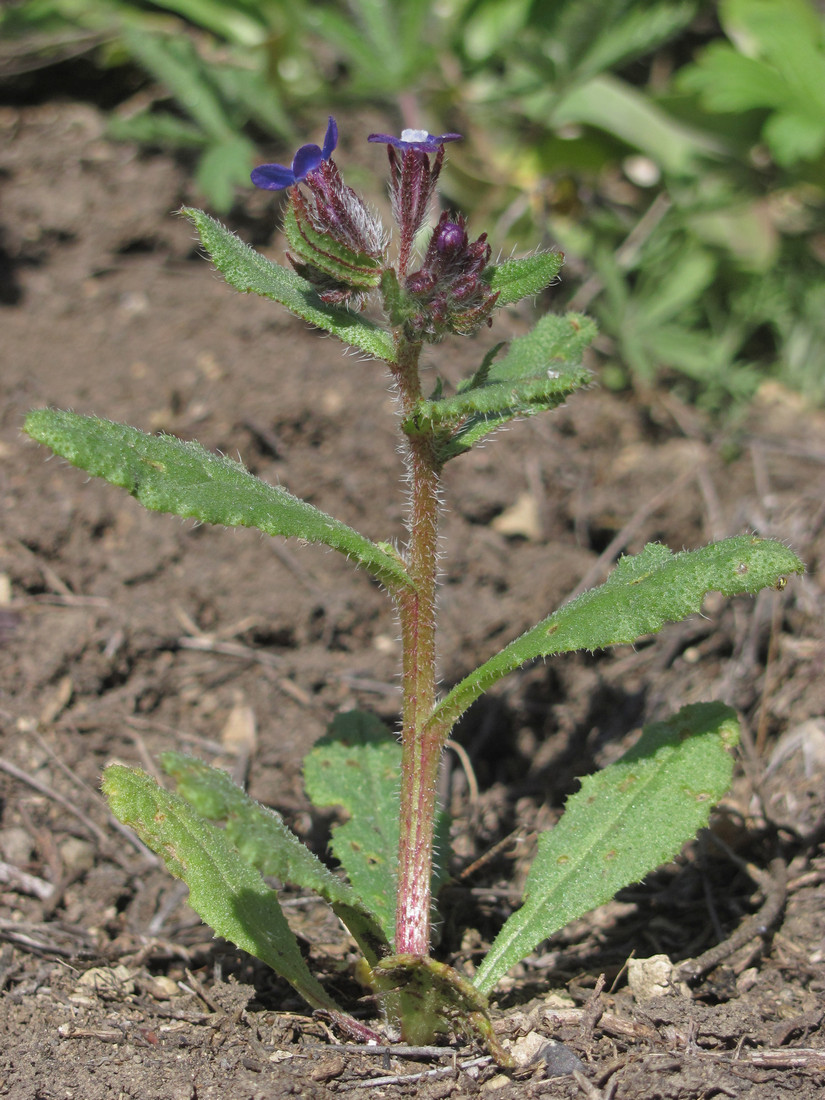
<point>421,752</point>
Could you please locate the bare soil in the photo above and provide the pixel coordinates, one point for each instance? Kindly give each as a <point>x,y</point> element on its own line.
<point>125,633</point>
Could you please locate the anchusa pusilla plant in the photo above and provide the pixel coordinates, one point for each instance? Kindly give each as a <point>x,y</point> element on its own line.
<point>393,848</point>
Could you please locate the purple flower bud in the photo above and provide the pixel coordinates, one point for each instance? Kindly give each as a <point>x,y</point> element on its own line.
<point>450,237</point>
<point>275,177</point>
<point>420,282</point>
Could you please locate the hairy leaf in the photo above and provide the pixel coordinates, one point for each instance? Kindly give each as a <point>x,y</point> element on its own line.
<point>224,890</point>
<point>168,475</point>
<point>624,822</point>
<point>266,843</point>
<point>539,371</point>
<point>513,280</point>
<point>641,594</point>
<point>357,765</point>
<point>247,270</point>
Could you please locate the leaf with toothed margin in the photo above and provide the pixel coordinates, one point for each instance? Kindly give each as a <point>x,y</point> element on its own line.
<point>513,280</point>
<point>643,592</point>
<point>228,894</point>
<point>625,821</point>
<point>250,272</point>
<point>266,843</point>
<point>167,475</point>
<point>357,765</point>
<point>538,372</point>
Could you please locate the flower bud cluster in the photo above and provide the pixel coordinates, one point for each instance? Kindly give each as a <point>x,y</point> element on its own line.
<point>448,291</point>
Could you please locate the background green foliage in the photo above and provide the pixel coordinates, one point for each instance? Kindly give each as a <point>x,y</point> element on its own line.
<point>675,150</point>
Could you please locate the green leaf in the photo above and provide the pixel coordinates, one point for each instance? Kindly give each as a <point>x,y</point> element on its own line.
<point>173,60</point>
<point>266,843</point>
<point>641,594</point>
<point>224,890</point>
<point>167,475</point>
<point>611,104</point>
<point>226,20</point>
<point>156,128</point>
<point>539,372</point>
<point>728,81</point>
<point>778,64</point>
<point>517,279</point>
<point>249,271</point>
<point>624,822</point>
<point>357,765</point>
<point>223,167</point>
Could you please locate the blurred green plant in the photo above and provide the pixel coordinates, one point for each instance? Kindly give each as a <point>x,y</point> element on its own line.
<point>689,191</point>
<point>675,149</point>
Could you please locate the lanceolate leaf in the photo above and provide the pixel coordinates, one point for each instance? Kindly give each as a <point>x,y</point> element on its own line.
<point>168,475</point>
<point>266,843</point>
<point>224,890</point>
<point>517,279</point>
<point>248,270</point>
<point>624,822</point>
<point>539,371</point>
<point>641,594</point>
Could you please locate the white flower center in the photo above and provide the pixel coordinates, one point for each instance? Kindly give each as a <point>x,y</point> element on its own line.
<point>414,135</point>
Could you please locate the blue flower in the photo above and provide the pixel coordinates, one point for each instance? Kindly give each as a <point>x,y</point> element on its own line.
<point>415,139</point>
<point>275,177</point>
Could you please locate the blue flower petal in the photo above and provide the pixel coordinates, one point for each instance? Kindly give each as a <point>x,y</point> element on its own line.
<point>415,139</point>
<point>272,177</point>
<point>275,177</point>
<point>307,158</point>
<point>331,139</point>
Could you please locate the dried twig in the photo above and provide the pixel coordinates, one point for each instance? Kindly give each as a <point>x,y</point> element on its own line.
<point>43,788</point>
<point>24,883</point>
<point>428,1074</point>
<point>774,888</point>
<point>39,939</point>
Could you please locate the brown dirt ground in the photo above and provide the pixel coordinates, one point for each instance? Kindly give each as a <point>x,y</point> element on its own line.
<point>125,633</point>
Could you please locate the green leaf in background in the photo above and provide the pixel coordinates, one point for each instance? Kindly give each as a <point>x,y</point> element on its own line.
<point>625,821</point>
<point>266,843</point>
<point>776,62</point>
<point>224,890</point>
<point>224,167</point>
<point>173,60</point>
<point>643,592</point>
<point>357,765</point>
<point>247,270</point>
<point>156,128</point>
<point>539,371</point>
<point>167,475</point>
<point>611,104</point>
<point>384,47</point>
<point>513,280</point>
